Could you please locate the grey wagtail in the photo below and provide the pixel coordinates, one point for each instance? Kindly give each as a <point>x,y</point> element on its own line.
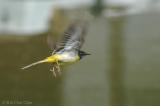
<point>67,50</point>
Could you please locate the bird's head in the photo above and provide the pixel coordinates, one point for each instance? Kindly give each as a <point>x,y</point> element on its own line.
<point>82,54</point>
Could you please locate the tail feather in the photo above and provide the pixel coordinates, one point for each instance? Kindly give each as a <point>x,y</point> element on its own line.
<point>33,64</point>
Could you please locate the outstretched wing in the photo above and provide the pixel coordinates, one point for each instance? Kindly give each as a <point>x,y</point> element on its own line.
<point>73,37</point>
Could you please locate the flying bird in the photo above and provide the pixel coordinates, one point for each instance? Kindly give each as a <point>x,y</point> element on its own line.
<point>67,49</point>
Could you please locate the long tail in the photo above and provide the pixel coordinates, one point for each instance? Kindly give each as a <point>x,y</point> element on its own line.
<point>33,64</point>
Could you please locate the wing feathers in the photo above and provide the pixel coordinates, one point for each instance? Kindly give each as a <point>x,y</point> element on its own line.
<point>73,37</point>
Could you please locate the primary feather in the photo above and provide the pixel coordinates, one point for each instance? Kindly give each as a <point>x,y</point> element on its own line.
<point>73,37</point>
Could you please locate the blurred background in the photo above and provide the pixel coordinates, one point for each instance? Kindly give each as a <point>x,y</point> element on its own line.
<point>123,38</point>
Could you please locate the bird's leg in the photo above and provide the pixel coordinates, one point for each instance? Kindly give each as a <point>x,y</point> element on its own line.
<point>58,67</point>
<point>53,70</point>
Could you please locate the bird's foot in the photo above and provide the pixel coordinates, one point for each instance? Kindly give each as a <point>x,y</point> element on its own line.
<point>56,70</point>
<point>53,71</point>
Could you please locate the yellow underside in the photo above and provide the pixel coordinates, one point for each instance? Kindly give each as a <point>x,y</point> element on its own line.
<point>55,58</point>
